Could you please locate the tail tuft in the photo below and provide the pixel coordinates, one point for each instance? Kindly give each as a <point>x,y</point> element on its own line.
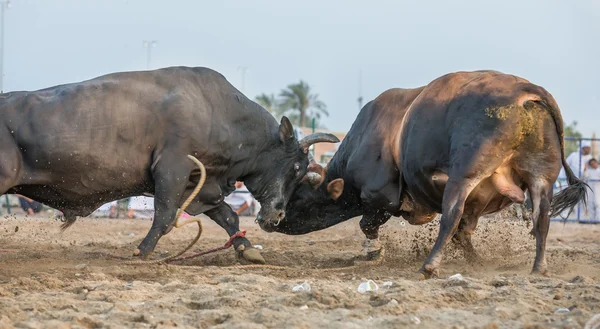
<point>568,198</point>
<point>67,222</point>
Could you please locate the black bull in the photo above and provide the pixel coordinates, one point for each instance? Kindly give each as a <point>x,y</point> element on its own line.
<point>465,145</point>
<point>77,146</point>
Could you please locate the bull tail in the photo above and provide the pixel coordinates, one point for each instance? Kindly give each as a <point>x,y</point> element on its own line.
<point>67,220</point>
<point>576,191</point>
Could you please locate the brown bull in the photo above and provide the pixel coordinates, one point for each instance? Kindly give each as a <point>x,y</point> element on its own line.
<point>465,145</point>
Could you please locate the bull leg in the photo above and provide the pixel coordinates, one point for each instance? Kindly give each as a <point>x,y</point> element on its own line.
<point>466,227</point>
<point>170,180</point>
<point>10,165</point>
<point>453,205</point>
<point>369,224</point>
<point>527,207</point>
<point>229,220</point>
<point>5,182</point>
<point>541,194</point>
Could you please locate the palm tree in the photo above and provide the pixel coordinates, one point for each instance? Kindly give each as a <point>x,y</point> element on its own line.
<point>297,97</point>
<point>269,103</point>
<point>571,131</point>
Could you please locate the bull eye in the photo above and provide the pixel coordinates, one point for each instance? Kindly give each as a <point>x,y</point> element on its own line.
<point>297,169</point>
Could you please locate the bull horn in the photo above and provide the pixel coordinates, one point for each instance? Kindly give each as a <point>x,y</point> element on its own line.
<point>311,139</point>
<point>313,179</point>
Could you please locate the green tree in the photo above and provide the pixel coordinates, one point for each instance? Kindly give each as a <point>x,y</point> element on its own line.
<point>571,131</point>
<point>269,102</point>
<point>295,119</point>
<point>297,99</point>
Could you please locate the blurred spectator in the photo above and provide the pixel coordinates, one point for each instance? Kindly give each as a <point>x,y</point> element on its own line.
<point>592,176</point>
<point>241,200</point>
<point>573,160</point>
<point>30,206</point>
<point>107,210</point>
<point>140,207</point>
<point>576,166</point>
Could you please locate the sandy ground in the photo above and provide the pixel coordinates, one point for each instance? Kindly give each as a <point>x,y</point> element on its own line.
<point>54,280</point>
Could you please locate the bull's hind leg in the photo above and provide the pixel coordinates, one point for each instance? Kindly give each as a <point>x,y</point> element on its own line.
<point>171,175</point>
<point>9,162</point>
<point>369,224</point>
<point>541,195</point>
<point>6,182</point>
<point>229,220</point>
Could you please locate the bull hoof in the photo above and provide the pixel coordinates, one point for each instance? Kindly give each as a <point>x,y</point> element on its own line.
<point>138,253</point>
<point>429,272</point>
<point>541,272</point>
<point>373,249</point>
<point>375,254</point>
<point>250,254</point>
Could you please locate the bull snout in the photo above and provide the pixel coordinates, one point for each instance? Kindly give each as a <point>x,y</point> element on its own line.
<point>269,221</point>
<point>280,215</point>
<point>264,226</point>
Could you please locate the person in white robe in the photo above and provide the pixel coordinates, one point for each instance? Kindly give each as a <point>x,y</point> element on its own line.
<point>141,207</point>
<point>591,176</point>
<point>241,201</point>
<point>106,210</point>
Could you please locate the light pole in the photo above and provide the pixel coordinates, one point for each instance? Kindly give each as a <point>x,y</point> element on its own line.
<point>149,44</point>
<point>2,5</point>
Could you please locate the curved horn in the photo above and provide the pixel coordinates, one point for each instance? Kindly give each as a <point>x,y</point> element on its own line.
<point>317,138</point>
<point>314,175</point>
<point>313,178</point>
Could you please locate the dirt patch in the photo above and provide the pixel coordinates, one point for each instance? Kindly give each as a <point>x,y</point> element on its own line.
<point>49,279</point>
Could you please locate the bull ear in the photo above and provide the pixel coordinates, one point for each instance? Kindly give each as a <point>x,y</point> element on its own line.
<point>286,131</point>
<point>335,188</point>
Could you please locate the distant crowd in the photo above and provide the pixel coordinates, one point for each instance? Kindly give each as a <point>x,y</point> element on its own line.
<point>585,167</point>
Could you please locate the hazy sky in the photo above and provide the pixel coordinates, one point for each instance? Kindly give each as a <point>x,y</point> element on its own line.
<point>555,44</point>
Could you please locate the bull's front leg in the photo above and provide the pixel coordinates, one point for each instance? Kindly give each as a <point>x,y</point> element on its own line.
<point>453,205</point>
<point>369,224</point>
<point>170,180</point>
<point>229,220</point>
